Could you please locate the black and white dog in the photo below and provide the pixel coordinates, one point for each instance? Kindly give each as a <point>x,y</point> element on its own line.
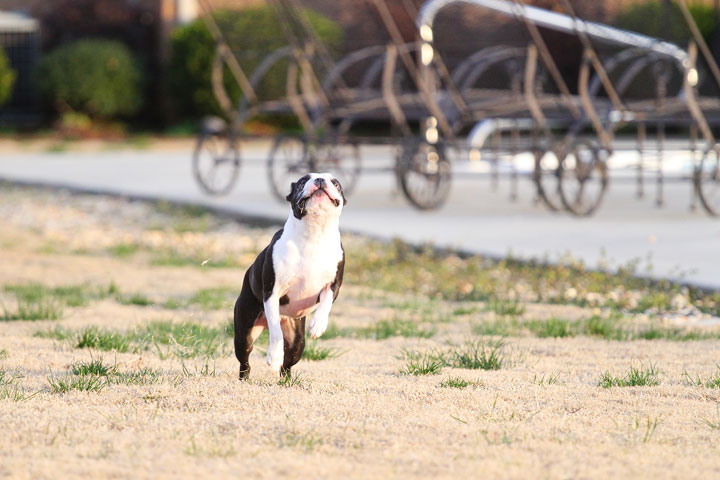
<point>300,271</point>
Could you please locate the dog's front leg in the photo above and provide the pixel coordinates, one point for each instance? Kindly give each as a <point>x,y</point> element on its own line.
<point>319,321</point>
<point>276,351</point>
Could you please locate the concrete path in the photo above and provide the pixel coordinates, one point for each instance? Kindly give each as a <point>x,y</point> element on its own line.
<point>673,241</point>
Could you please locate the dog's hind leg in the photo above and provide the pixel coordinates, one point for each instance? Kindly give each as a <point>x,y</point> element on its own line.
<point>294,333</point>
<point>248,310</point>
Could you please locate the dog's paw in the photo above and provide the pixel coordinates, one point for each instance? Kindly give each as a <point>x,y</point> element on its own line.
<point>317,326</point>
<point>275,356</point>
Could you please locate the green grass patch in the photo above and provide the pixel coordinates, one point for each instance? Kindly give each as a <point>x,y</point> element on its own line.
<point>10,388</point>
<point>456,382</point>
<point>421,363</point>
<point>123,250</point>
<point>186,339</point>
<point>138,299</point>
<point>290,380</point>
<point>503,307</point>
<point>315,352</point>
<point>713,381</point>
<point>39,302</point>
<point>75,382</point>
<point>214,298</point>
<point>642,376</point>
<point>552,327</point>
<point>479,354</point>
<point>333,331</point>
<point>34,310</point>
<point>166,338</point>
<point>446,275</point>
<point>57,333</point>
<point>101,339</point>
<point>93,367</point>
<point>396,327</point>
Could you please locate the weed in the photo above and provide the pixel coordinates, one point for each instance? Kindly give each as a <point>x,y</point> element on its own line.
<point>713,424</point>
<point>396,328</point>
<point>635,377</point>
<point>456,382</point>
<point>81,383</point>
<point>143,376</point>
<point>551,379</point>
<point>204,371</point>
<point>93,337</point>
<point>188,339</point>
<point>290,380</point>
<point>57,333</point>
<point>315,352</point>
<point>713,381</point>
<point>501,326</point>
<point>10,388</point>
<point>479,354</point>
<point>552,327</point>
<point>95,367</point>
<point>34,310</point>
<point>123,250</point>
<point>138,299</point>
<point>3,354</point>
<point>417,363</point>
<point>644,429</point>
<point>503,307</point>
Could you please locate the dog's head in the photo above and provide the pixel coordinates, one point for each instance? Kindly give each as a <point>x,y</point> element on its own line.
<point>317,194</point>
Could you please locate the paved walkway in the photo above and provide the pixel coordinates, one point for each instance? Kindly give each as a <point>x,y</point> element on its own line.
<point>671,242</point>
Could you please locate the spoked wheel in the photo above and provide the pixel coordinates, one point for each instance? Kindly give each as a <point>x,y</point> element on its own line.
<point>288,161</point>
<point>424,174</point>
<point>545,177</point>
<point>216,163</point>
<point>342,160</point>
<point>583,178</point>
<point>707,180</point>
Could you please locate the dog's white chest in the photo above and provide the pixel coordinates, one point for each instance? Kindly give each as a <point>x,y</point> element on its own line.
<point>302,270</point>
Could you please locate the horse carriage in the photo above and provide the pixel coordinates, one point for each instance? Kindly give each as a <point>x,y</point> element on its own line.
<point>500,102</point>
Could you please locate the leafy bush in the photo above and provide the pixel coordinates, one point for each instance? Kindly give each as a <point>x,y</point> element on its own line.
<point>96,77</point>
<point>649,18</point>
<point>7,78</point>
<point>252,33</point>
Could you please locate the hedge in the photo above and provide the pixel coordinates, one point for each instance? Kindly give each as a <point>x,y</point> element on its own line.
<point>92,76</point>
<point>252,33</point>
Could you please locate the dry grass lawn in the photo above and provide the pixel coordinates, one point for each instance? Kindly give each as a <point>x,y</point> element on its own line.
<point>169,405</point>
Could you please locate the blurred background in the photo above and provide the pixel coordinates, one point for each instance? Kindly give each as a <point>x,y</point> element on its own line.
<point>150,98</point>
<point>162,52</point>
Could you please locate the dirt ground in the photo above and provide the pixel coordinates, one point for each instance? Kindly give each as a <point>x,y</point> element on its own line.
<point>356,415</point>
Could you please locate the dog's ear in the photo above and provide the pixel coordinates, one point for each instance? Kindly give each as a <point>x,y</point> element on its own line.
<point>292,191</point>
<point>339,187</point>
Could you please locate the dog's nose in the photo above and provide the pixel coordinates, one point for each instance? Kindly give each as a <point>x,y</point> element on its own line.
<point>320,182</point>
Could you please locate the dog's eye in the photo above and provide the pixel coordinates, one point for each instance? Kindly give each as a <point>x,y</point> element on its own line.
<point>336,183</point>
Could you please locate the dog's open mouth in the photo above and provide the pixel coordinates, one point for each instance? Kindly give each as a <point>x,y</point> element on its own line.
<point>321,191</point>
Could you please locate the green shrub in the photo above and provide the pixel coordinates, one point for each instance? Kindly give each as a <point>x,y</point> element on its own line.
<point>652,18</point>
<point>96,77</point>
<point>7,78</point>
<point>252,33</point>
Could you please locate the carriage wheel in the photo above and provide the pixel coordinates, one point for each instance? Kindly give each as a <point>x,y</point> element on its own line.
<point>343,161</point>
<point>583,178</point>
<point>707,180</point>
<point>288,161</point>
<point>545,177</point>
<point>424,174</point>
<point>216,163</point>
